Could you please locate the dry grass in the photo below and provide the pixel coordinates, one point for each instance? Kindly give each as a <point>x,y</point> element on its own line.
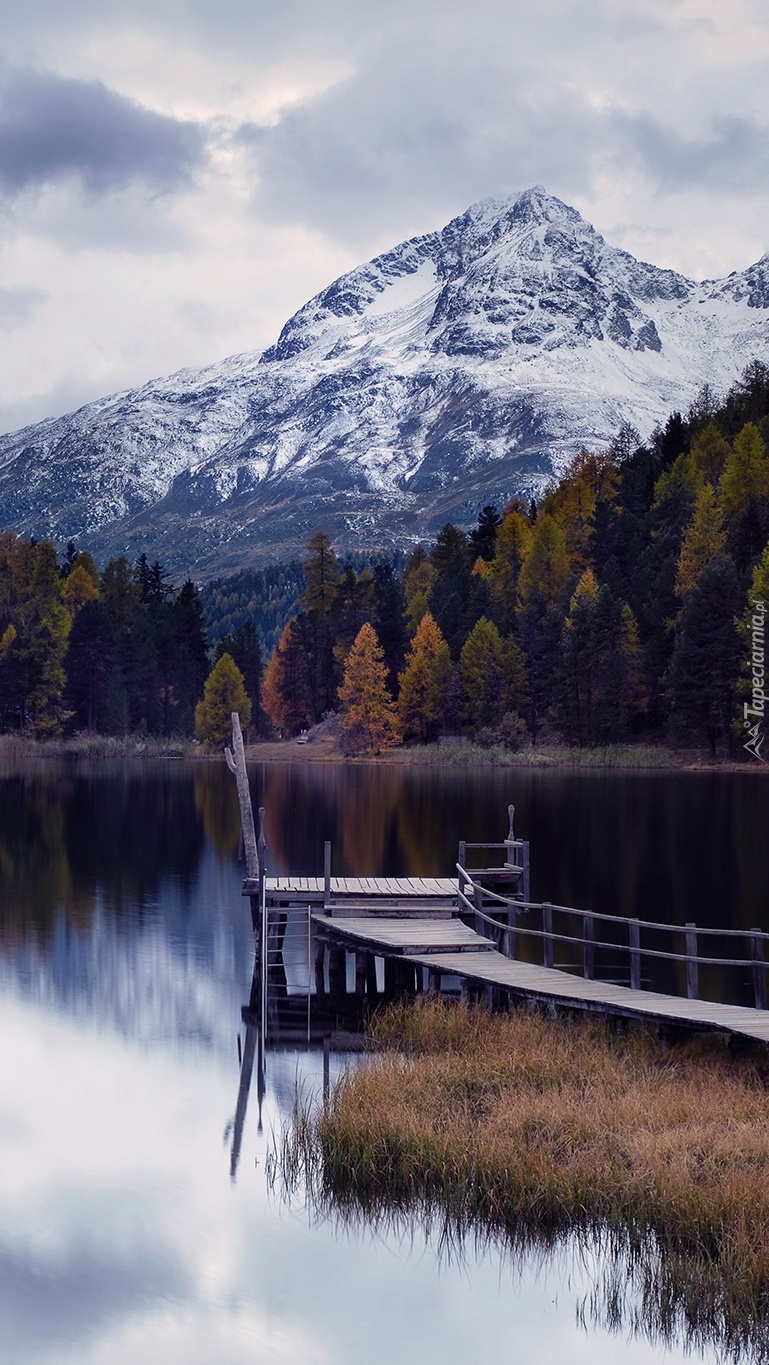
<point>525,1130</point>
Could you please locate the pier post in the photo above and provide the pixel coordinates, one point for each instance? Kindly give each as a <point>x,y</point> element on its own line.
<point>327,876</point>
<point>634,930</point>
<point>320,966</point>
<point>759,972</point>
<point>588,933</point>
<point>692,971</point>
<point>547,930</point>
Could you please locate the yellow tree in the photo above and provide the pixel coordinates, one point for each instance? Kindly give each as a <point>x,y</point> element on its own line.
<point>704,538</point>
<point>503,572</point>
<point>369,719</point>
<point>81,585</point>
<point>424,680</point>
<point>224,692</point>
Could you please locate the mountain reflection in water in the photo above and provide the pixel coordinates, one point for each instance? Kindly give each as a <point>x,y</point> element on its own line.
<point>125,961</point>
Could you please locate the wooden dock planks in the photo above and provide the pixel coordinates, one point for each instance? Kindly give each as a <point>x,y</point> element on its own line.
<point>404,936</point>
<point>574,992</point>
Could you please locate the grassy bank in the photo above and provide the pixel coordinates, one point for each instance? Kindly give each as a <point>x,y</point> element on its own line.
<point>523,1130</point>
<point>99,746</point>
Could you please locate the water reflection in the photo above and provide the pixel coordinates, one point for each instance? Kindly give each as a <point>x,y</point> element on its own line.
<point>125,962</point>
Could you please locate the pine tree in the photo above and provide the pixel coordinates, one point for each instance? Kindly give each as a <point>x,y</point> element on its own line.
<point>493,675</point>
<point>369,720</point>
<point>223,693</point>
<point>424,682</point>
<point>706,655</point>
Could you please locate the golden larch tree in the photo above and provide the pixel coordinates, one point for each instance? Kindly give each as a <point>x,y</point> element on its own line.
<point>369,718</point>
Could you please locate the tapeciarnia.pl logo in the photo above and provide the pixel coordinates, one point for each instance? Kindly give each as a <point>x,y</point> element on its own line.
<point>755,709</point>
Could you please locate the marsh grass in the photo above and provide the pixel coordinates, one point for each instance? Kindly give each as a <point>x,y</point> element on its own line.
<point>87,744</point>
<point>529,1133</point>
<point>646,756</point>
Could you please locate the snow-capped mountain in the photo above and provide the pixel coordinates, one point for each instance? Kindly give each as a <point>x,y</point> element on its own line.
<point>459,368</point>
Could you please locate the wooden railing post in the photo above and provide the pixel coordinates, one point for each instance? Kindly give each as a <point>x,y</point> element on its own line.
<point>588,934</point>
<point>327,875</point>
<point>462,861</point>
<point>525,888</point>
<point>634,930</point>
<point>478,902</point>
<point>510,936</point>
<point>759,971</point>
<point>692,970</point>
<point>547,930</point>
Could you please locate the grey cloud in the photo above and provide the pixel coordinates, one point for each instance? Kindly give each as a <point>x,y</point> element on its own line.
<point>398,137</point>
<point>733,155</point>
<point>53,128</point>
<point>92,1282</point>
<point>17,306</point>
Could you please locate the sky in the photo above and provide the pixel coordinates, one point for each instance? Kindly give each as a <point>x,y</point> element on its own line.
<point>178,176</point>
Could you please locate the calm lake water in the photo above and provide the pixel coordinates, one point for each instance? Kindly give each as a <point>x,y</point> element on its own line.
<point>125,958</point>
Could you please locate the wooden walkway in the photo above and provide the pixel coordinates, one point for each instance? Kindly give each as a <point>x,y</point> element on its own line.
<point>453,949</point>
<point>285,889</point>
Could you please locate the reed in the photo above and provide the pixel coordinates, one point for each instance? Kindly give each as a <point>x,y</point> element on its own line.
<point>461,755</point>
<point>526,1131</point>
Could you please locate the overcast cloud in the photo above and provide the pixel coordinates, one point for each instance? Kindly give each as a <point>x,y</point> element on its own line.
<point>176,177</point>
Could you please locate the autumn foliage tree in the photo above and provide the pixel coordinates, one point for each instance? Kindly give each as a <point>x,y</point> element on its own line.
<point>369,719</point>
<point>224,693</point>
<point>423,682</point>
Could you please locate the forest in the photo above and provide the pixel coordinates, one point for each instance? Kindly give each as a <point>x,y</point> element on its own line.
<point>627,603</point>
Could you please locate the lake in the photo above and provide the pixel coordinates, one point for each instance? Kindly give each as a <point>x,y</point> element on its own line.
<point>125,959</point>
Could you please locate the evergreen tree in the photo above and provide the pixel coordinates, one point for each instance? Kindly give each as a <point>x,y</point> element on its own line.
<point>493,674</point>
<point>243,646</point>
<point>483,538</point>
<point>286,687</point>
<point>369,720</point>
<point>223,693</point>
<point>706,656</point>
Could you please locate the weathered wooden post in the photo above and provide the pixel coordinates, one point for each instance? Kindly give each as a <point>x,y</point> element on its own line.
<point>526,878</point>
<point>320,965</point>
<point>478,903</point>
<point>236,762</point>
<point>634,930</point>
<point>759,971</point>
<point>327,876</point>
<point>547,930</point>
<point>588,934</point>
<point>692,971</point>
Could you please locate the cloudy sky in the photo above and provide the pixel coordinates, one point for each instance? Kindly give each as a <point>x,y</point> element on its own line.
<point>177,176</point>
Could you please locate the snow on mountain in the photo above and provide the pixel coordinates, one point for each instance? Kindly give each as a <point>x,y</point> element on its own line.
<point>459,368</point>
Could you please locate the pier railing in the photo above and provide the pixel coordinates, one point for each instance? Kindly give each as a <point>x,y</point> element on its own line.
<point>497,915</point>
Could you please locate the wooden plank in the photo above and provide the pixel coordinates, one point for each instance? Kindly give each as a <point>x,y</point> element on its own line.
<point>406,936</point>
<point>573,991</point>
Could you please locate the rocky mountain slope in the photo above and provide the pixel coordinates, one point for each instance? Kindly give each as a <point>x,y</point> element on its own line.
<point>458,368</point>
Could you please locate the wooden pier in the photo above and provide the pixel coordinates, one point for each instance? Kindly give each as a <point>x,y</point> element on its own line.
<point>476,926</point>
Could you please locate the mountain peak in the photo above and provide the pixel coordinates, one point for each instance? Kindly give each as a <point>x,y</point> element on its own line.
<point>457,369</point>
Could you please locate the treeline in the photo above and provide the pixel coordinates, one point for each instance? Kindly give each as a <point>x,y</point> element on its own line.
<point>620,606</point>
<point>112,652</point>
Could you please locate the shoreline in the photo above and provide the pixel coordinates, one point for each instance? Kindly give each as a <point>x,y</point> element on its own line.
<point>325,749</point>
